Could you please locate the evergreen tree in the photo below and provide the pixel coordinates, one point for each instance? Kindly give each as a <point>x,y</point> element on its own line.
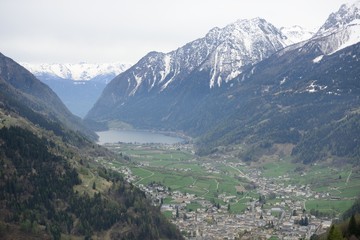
<point>353,228</point>
<point>177,212</point>
<point>334,233</point>
<point>294,213</point>
<point>314,237</point>
<point>306,221</point>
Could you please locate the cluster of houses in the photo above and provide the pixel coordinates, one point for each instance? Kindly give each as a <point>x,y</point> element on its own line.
<point>285,218</point>
<point>211,222</point>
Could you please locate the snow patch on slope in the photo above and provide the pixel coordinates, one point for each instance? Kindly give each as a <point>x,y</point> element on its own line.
<point>170,80</point>
<point>318,59</point>
<point>214,69</point>
<point>138,83</point>
<point>167,67</point>
<point>313,88</point>
<point>353,37</point>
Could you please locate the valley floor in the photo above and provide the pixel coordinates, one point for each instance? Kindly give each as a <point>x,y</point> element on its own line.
<point>220,197</point>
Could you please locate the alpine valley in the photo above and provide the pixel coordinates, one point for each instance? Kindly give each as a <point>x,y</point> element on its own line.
<point>271,118</point>
<point>248,83</point>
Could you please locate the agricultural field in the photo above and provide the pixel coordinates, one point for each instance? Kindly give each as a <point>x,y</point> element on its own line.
<point>182,171</point>
<point>341,185</point>
<point>224,180</point>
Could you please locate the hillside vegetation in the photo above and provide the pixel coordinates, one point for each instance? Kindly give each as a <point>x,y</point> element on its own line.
<point>50,184</point>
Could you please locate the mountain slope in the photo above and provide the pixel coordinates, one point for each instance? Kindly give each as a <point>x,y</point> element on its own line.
<point>160,82</point>
<point>291,98</point>
<point>39,192</point>
<point>37,96</point>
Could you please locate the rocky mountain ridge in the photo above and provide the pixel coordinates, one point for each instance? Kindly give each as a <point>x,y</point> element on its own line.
<point>218,57</point>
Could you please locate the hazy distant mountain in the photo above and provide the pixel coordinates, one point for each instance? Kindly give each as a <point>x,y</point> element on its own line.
<point>78,71</point>
<point>77,85</point>
<point>21,88</point>
<point>296,34</point>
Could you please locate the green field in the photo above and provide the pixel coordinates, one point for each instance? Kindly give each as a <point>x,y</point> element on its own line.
<point>329,206</point>
<point>342,184</point>
<point>208,178</point>
<point>182,171</point>
<point>279,168</point>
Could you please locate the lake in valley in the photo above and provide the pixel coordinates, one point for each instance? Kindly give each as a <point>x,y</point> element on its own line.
<point>136,136</point>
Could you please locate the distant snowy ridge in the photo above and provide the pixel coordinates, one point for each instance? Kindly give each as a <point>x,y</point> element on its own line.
<point>78,71</point>
<point>296,34</point>
<point>341,30</point>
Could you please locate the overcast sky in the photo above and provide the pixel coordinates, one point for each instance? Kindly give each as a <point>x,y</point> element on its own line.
<point>98,31</point>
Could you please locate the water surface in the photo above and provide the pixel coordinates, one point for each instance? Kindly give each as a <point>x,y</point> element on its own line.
<point>136,136</point>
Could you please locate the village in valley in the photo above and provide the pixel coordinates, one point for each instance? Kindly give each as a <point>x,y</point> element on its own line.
<point>273,208</point>
<point>215,222</point>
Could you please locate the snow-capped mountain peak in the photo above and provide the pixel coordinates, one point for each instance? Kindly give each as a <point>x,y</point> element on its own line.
<point>341,29</point>
<point>217,58</point>
<point>347,15</point>
<point>77,72</point>
<point>221,54</point>
<point>242,43</point>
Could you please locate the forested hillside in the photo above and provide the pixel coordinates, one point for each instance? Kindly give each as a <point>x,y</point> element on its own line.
<point>36,193</point>
<point>49,176</point>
